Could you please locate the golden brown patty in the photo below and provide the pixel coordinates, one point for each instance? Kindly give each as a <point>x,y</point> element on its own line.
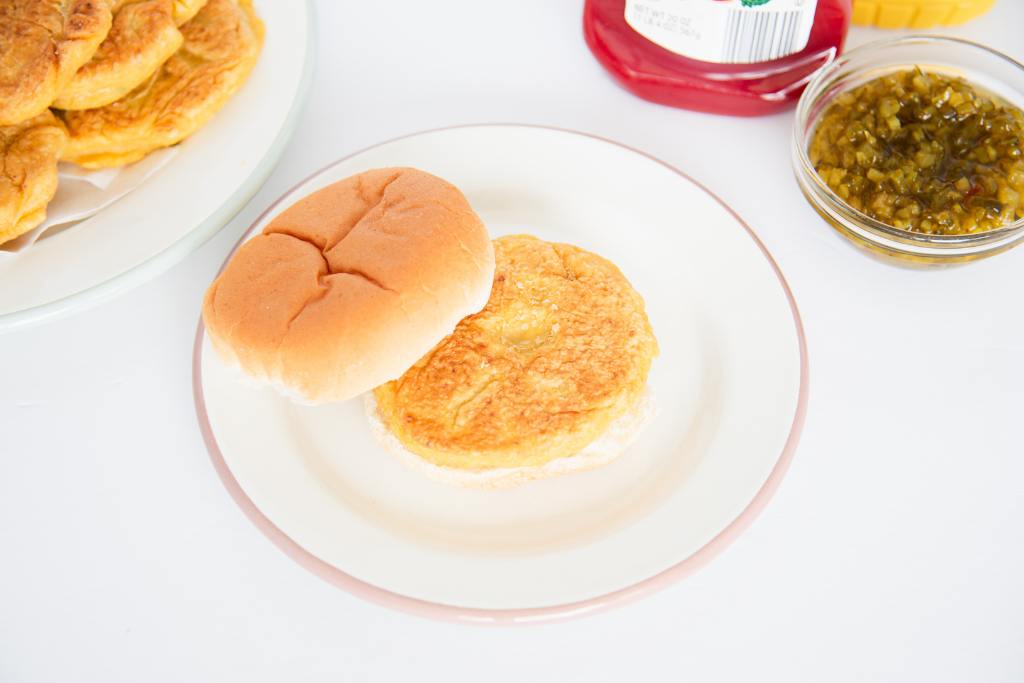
<point>221,46</point>
<point>28,153</point>
<point>143,36</point>
<point>42,44</point>
<point>562,348</point>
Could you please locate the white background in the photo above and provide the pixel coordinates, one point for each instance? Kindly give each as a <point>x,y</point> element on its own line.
<point>894,550</point>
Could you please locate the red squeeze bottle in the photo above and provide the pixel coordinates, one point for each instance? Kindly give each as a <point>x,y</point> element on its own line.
<point>740,57</point>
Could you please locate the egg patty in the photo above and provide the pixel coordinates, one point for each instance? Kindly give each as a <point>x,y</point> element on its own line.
<point>221,46</point>
<point>562,349</point>
<point>142,37</point>
<point>42,44</point>
<point>28,156</point>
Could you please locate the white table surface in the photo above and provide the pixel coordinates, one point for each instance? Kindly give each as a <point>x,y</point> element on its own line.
<point>894,550</point>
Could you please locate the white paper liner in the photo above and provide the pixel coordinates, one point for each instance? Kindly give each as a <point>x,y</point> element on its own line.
<point>82,194</point>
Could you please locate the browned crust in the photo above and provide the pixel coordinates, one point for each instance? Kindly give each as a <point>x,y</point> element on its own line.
<point>42,44</point>
<point>143,36</point>
<point>29,153</point>
<point>222,44</point>
<point>562,348</point>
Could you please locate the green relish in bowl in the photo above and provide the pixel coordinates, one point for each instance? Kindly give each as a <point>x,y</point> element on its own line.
<point>923,152</point>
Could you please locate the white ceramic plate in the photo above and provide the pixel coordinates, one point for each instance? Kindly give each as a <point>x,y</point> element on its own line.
<point>730,385</point>
<point>214,173</point>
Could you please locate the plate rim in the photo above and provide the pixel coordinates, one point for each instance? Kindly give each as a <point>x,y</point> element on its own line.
<point>164,260</point>
<point>510,616</point>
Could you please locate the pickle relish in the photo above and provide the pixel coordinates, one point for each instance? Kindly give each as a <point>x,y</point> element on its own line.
<point>924,152</point>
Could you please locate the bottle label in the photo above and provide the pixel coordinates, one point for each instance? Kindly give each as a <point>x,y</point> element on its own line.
<point>725,31</point>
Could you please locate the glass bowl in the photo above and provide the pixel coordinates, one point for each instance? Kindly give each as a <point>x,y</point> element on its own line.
<point>983,67</point>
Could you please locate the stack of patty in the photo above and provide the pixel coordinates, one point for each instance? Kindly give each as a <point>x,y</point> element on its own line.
<point>102,83</point>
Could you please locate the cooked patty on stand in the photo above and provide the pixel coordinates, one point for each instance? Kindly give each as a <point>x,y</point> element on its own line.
<point>143,36</point>
<point>222,44</point>
<point>42,44</point>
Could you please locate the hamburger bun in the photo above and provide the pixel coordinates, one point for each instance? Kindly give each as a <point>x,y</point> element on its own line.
<point>347,288</point>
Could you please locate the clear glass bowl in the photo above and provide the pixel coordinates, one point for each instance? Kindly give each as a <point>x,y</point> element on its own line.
<point>982,66</point>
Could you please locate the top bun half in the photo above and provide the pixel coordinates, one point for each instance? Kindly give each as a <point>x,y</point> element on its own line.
<point>350,286</point>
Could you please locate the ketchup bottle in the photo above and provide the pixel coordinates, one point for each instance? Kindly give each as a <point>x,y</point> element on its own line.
<point>740,57</point>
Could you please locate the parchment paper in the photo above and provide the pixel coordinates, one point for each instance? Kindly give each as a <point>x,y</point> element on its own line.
<point>82,194</point>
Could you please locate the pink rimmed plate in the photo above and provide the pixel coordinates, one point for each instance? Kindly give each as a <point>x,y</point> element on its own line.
<point>730,388</point>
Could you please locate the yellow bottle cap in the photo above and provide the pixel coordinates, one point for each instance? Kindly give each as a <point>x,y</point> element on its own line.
<point>917,13</point>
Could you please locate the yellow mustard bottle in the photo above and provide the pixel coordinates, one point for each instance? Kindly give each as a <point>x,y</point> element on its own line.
<point>917,13</point>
